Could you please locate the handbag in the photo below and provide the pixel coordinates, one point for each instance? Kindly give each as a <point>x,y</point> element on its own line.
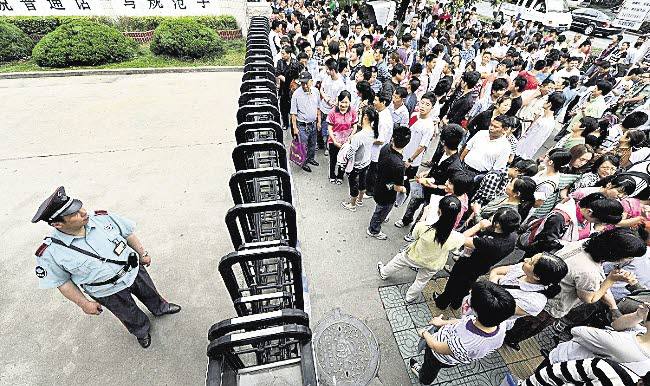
<point>298,152</point>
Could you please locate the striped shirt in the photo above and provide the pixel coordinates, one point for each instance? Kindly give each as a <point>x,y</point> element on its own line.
<point>466,342</point>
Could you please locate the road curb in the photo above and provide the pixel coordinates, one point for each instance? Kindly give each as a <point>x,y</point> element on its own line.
<point>119,71</point>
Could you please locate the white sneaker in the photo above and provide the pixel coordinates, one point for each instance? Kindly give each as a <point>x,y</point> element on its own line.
<point>380,265</point>
<point>348,206</point>
<point>366,197</point>
<point>387,220</point>
<point>408,237</point>
<point>378,236</point>
<point>359,203</point>
<point>399,224</point>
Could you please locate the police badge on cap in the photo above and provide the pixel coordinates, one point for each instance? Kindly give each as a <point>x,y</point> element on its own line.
<point>58,204</point>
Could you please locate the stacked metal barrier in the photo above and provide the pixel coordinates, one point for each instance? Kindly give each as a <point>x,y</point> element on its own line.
<point>263,275</point>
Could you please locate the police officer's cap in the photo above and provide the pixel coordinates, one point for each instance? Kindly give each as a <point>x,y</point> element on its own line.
<point>58,204</point>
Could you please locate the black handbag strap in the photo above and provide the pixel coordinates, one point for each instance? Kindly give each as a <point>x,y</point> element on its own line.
<point>87,253</point>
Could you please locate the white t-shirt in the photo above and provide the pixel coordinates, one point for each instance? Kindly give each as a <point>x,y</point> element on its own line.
<point>546,185</point>
<point>400,116</point>
<point>422,132</point>
<point>385,133</point>
<point>640,155</point>
<point>533,139</point>
<point>563,73</point>
<point>485,154</point>
<point>331,88</point>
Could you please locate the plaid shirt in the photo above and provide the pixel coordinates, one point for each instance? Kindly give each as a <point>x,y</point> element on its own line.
<point>493,184</point>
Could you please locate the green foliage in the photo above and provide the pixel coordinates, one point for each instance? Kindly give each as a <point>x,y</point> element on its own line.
<point>83,43</point>
<point>14,43</point>
<point>43,25</point>
<point>186,38</point>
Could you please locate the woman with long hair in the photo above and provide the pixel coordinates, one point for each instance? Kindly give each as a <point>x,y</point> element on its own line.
<point>340,124</point>
<point>603,167</point>
<point>429,252</point>
<point>358,152</point>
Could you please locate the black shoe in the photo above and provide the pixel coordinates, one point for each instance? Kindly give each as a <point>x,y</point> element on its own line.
<point>306,168</point>
<point>173,309</point>
<point>146,341</point>
<point>512,345</point>
<point>313,162</point>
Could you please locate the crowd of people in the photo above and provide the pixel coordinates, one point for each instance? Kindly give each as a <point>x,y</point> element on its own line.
<point>498,137</point>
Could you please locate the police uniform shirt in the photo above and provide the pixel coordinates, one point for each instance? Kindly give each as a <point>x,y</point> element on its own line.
<point>104,233</point>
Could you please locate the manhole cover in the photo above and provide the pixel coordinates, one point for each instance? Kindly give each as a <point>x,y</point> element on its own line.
<point>347,352</point>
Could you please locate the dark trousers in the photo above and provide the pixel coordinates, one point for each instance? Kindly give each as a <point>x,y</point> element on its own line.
<point>371,177</point>
<point>123,306</point>
<point>285,106</point>
<point>430,368</point>
<point>463,274</point>
<point>335,172</point>
<point>412,207</point>
<point>378,217</point>
<point>409,174</point>
<point>357,181</point>
<point>528,326</point>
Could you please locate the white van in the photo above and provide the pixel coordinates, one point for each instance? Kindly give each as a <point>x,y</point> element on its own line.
<point>551,13</point>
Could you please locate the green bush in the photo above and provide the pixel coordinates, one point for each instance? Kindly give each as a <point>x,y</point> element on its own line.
<point>14,43</point>
<point>142,23</point>
<point>83,43</point>
<point>218,23</point>
<point>186,38</point>
<point>43,25</point>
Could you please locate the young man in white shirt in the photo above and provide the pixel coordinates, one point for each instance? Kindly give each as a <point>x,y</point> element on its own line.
<point>331,86</point>
<point>568,71</point>
<point>381,103</point>
<point>398,109</point>
<point>422,132</point>
<point>532,140</point>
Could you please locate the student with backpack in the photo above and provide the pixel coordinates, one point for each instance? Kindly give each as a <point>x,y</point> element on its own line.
<point>569,221</point>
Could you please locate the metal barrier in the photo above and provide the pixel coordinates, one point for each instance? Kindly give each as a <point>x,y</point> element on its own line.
<point>263,275</point>
<point>258,131</point>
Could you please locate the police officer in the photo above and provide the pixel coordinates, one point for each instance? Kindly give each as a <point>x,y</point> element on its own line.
<point>100,254</point>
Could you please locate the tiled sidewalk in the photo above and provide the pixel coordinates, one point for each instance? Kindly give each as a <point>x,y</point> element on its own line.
<point>405,320</point>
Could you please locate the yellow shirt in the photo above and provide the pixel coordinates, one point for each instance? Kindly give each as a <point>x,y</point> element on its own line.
<point>425,250</point>
<point>368,58</point>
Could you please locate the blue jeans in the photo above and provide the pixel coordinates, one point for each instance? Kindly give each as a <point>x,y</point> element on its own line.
<point>307,132</point>
<point>378,217</point>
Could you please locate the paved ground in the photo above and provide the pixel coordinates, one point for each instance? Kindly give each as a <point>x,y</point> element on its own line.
<point>155,148</point>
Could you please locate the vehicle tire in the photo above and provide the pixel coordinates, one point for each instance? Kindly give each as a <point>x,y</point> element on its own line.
<point>589,29</point>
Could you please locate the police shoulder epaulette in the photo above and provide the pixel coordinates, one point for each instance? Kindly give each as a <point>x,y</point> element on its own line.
<point>41,249</point>
<point>101,213</point>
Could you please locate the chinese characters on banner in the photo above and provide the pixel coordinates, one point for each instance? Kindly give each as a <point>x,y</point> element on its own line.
<point>111,7</point>
<point>632,14</point>
<point>52,7</point>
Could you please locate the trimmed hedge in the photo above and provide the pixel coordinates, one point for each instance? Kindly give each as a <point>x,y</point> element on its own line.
<point>83,43</point>
<point>14,43</point>
<point>185,38</point>
<point>42,25</point>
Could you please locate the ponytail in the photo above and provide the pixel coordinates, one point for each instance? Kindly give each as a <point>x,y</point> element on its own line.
<point>550,270</point>
<point>449,209</point>
<point>373,117</point>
